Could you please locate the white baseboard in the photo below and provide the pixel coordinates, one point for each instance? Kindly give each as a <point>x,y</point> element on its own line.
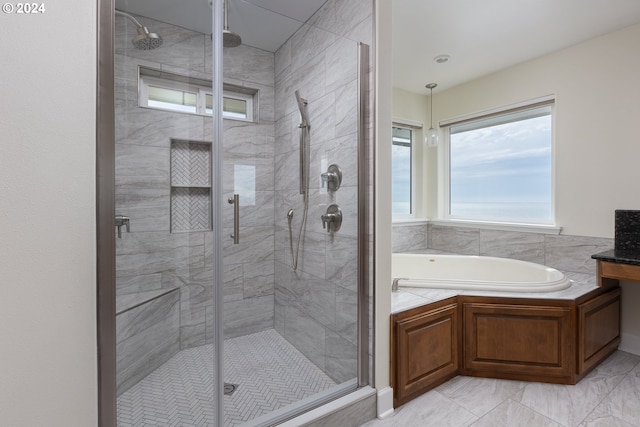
<point>630,343</point>
<point>385,403</point>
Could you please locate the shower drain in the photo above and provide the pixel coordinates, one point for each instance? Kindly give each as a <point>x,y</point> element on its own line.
<point>229,388</point>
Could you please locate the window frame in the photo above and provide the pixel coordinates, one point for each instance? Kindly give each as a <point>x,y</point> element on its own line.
<point>412,178</point>
<point>150,77</point>
<point>528,225</point>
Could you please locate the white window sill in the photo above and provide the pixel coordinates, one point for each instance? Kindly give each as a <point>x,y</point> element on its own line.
<point>409,221</point>
<point>502,226</point>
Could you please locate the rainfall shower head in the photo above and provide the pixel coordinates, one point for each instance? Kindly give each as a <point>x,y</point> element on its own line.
<point>145,40</point>
<point>229,38</point>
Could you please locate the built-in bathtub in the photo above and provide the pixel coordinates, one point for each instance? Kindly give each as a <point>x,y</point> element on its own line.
<point>474,272</point>
<point>495,318</point>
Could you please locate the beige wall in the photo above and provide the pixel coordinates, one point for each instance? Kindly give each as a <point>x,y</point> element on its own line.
<point>597,147</point>
<point>597,89</point>
<point>382,269</point>
<point>47,217</point>
<point>414,107</point>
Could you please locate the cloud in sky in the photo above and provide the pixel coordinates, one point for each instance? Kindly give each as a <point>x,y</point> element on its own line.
<point>502,163</point>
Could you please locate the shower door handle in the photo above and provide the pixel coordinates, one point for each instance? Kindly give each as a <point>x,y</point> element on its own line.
<point>235,201</point>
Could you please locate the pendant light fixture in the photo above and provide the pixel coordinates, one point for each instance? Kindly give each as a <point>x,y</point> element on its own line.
<point>431,136</point>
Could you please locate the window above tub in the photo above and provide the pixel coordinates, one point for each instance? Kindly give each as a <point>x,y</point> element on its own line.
<point>406,171</point>
<point>499,166</point>
<point>173,92</point>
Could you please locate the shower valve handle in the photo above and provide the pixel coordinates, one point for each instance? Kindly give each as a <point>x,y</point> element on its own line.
<point>332,219</point>
<point>333,177</point>
<point>121,221</point>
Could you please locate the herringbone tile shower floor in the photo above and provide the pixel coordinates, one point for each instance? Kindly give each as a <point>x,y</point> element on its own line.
<point>270,373</point>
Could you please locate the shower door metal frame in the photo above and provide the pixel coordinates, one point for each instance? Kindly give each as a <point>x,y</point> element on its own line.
<point>105,210</point>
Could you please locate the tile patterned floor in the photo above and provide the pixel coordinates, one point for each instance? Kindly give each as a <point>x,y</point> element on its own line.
<point>270,372</point>
<point>608,397</point>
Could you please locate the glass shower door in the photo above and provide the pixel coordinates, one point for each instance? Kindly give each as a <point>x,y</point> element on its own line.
<point>163,190</point>
<point>290,195</point>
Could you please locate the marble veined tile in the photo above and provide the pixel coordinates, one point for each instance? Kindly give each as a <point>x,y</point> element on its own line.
<point>597,419</point>
<point>342,59</point>
<point>341,17</point>
<point>622,405</point>
<point>573,253</point>
<point>510,413</point>
<point>307,42</point>
<point>516,245</point>
<point>401,301</point>
<point>480,395</point>
<point>454,239</point>
<point>408,238</point>
<point>430,409</point>
<point>258,279</point>
<point>341,362</point>
<point>347,109</point>
<point>570,404</point>
<point>250,64</point>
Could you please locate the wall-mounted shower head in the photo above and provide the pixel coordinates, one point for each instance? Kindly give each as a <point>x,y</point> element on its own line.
<point>229,38</point>
<point>145,40</point>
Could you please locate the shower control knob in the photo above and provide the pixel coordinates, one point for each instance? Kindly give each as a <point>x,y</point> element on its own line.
<point>332,219</point>
<point>333,177</point>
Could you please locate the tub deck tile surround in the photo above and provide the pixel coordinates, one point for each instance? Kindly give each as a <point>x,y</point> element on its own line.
<point>407,298</point>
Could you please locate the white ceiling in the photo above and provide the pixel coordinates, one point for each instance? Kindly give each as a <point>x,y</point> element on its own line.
<point>265,24</point>
<point>484,36</point>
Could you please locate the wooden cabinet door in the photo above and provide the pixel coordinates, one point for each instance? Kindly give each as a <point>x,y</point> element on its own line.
<point>519,342</point>
<point>426,351</point>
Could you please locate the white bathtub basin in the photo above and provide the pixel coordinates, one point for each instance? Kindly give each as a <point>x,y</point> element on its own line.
<point>475,272</point>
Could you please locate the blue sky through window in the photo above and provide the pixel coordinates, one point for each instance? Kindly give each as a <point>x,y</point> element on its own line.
<point>502,172</point>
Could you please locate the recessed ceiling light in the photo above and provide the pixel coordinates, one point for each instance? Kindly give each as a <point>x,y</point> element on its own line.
<point>441,59</point>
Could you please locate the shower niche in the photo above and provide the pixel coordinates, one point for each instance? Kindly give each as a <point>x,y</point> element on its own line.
<point>190,186</point>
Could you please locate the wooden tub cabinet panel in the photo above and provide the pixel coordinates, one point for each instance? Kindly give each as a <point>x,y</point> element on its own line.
<point>554,341</point>
<point>598,329</point>
<point>519,342</point>
<point>427,350</point>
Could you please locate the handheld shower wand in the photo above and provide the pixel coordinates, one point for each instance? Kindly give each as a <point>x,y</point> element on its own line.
<point>304,178</point>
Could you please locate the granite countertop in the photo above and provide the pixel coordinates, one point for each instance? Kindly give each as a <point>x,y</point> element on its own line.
<point>619,256</point>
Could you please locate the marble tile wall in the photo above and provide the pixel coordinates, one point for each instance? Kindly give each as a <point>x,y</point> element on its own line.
<point>316,306</point>
<point>147,335</point>
<point>564,252</point>
<point>249,266</point>
<point>409,237</point>
<point>150,257</point>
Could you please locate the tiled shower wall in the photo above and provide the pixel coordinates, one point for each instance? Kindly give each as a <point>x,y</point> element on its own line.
<point>150,257</point>
<point>249,270</point>
<point>316,306</point>
<point>566,253</point>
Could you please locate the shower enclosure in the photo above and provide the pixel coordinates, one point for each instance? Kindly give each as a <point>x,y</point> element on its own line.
<point>241,208</point>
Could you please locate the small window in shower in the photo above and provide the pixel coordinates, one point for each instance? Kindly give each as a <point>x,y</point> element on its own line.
<point>172,92</point>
